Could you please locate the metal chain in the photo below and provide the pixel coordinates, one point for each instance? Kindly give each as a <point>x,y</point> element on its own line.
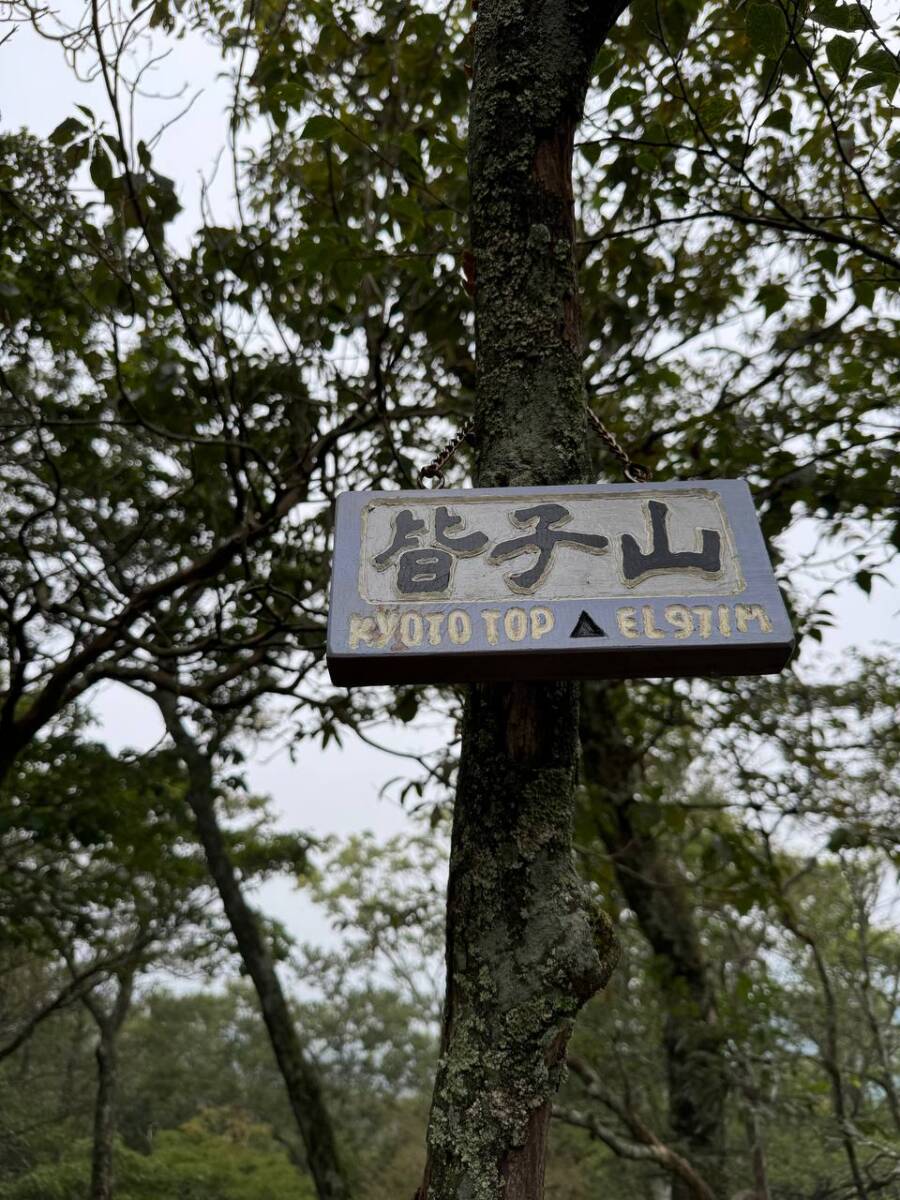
<point>632,471</point>
<point>435,469</point>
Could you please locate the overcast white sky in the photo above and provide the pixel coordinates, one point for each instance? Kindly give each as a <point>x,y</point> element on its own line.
<point>331,791</point>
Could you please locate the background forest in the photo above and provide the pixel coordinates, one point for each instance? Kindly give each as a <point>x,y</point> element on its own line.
<point>190,374</point>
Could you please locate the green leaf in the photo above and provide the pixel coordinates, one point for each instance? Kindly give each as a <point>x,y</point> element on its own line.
<point>66,131</point>
<point>793,63</point>
<point>863,580</point>
<point>590,151</point>
<point>773,297</point>
<point>714,109</point>
<point>864,290</point>
<point>624,97</point>
<point>828,259</point>
<point>780,119</point>
<point>871,80</point>
<point>840,52</point>
<point>887,82</point>
<point>101,169</point>
<point>116,147</point>
<point>767,29</point>
<point>75,154</point>
<point>847,17</point>
<point>407,706</point>
<point>881,60</point>
<point>321,126</point>
<point>605,65</point>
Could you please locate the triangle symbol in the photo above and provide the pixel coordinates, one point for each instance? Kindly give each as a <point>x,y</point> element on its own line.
<point>587,627</point>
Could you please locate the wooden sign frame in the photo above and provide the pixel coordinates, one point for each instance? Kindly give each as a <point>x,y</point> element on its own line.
<point>603,581</point>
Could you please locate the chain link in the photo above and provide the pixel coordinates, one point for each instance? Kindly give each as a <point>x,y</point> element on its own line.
<point>435,469</point>
<point>632,471</point>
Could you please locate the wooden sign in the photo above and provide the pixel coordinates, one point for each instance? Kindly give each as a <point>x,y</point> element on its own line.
<point>618,581</point>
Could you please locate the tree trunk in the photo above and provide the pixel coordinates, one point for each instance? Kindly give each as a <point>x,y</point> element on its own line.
<point>66,1102</point>
<point>693,1040</point>
<point>300,1076</point>
<point>886,1079</point>
<point>829,1046</point>
<point>525,946</point>
<point>758,1162</point>
<point>104,1118</point>
<point>109,1026</point>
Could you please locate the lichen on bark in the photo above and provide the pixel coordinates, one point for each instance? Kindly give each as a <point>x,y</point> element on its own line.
<point>527,946</point>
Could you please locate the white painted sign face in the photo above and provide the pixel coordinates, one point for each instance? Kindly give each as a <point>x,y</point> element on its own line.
<point>584,582</point>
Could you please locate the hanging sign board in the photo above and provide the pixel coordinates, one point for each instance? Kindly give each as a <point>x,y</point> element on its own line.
<point>618,581</point>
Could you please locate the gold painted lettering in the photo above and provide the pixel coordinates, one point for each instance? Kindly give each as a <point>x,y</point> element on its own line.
<point>704,615</point>
<point>412,630</point>
<point>724,621</point>
<point>362,629</point>
<point>459,626</point>
<point>745,613</point>
<point>679,617</point>
<point>515,624</point>
<point>434,622</point>
<point>626,618</point>
<point>541,622</point>
<point>491,624</point>
<point>649,628</point>
<point>387,620</point>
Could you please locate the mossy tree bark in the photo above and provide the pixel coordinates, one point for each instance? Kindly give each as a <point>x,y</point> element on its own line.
<point>657,893</point>
<point>525,946</point>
